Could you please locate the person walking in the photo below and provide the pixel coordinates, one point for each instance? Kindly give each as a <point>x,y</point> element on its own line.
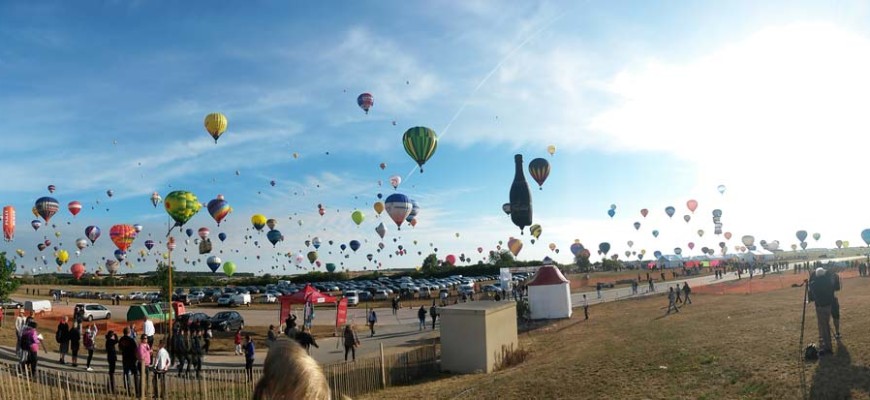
<point>182,348</point>
<point>433,312</point>
<point>598,289</point>
<point>651,285</point>
<point>196,352</point>
<point>112,358</point>
<point>249,358</point>
<point>306,340</point>
<point>30,342</point>
<point>206,337</point>
<point>821,291</point>
<point>671,301</point>
<point>62,338</point>
<point>148,330</point>
<point>634,287</point>
<point>372,319</point>
<point>421,315</point>
<point>238,342</point>
<point>75,337</point>
<point>128,348</point>
<point>686,291</point>
<point>395,304</point>
<point>161,367</point>
<point>585,308</point>
<point>89,340</point>
<point>679,294</point>
<point>351,341</point>
<point>271,337</point>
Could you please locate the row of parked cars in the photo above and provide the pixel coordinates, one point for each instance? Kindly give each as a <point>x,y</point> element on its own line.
<point>225,321</point>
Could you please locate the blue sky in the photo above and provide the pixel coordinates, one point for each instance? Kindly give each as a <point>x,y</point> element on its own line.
<point>648,105</point>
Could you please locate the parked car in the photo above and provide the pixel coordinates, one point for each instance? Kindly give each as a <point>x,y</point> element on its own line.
<point>243,299</point>
<point>192,320</point>
<point>95,311</point>
<point>9,304</point>
<point>268,298</point>
<point>352,297</point>
<point>225,299</point>
<point>227,321</point>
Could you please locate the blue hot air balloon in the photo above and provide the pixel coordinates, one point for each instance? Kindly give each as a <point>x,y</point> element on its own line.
<point>865,235</point>
<point>670,211</point>
<point>801,235</point>
<point>274,236</point>
<point>213,263</point>
<point>655,233</point>
<point>576,248</point>
<point>354,245</point>
<point>657,254</point>
<point>222,236</point>
<point>611,212</point>
<point>636,225</point>
<point>189,232</point>
<point>604,247</point>
<point>343,247</point>
<point>678,251</point>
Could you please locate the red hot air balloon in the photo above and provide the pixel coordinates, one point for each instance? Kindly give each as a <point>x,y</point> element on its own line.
<point>539,169</point>
<point>122,236</point>
<point>74,208</point>
<point>692,205</point>
<point>365,101</point>
<point>77,270</point>
<point>644,212</point>
<point>450,259</point>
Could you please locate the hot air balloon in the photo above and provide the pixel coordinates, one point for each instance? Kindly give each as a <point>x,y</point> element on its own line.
<point>155,199</point>
<point>630,243</point>
<point>804,245</point>
<point>395,181</point>
<point>727,235</point>
<point>539,169</point>
<point>678,251</point>
<point>316,242</point>
<point>188,232</point>
<point>420,143</point>
<point>365,101</point>
<point>74,208</point>
<point>644,212</point>
<point>379,207</point>
<point>274,237</point>
<point>381,230</point>
<point>203,233</point>
<point>721,189</point>
<point>655,233</point>
<point>692,205</point>
<point>110,193</point>
<point>687,218</point>
<point>535,230</point>
<point>450,259</point>
<point>358,217</point>
<point>551,149</point>
<point>181,206</point>
<point>865,236</point>
<point>258,221</point>
<point>81,243</point>
<point>215,125</point>
<point>271,223</point>
<point>692,246</point>
<point>354,245</point>
<point>312,256</point>
<point>748,240</point>
<point>46,207</point>
<point>229,268</point>
<point>637,226</point>
<point>611,212</point>
<point>576,248</point>
<point>700,232</point>
<point>112,266</point>
<point>51,188</point>
<point>222,236</point>
<point>8,223</point>
<point>36,224</point>
<point>670,211</point>
<point>383,166</point>
<point>120,255</point>
<point>801,235</point>
<point>92,233</point>
<point>122,236</point>
<point>219,208</point>
<point>77,270</point>
<point>604,247</point>
<point>330,267</point>
<point>515,245</point>
<point>398,206</point>
<point>138,228</point>
<point>149,244</point>
<point>817,236</point>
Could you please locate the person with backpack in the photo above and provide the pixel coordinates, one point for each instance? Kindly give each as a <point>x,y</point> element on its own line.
<point>686,291</point>
<point>373,319</point>
<point>421,315</point>
<point>89,341</point>
<point>249,358</point>
<point>62,338</point>
<point>111,357</point>
<point>75,337</point>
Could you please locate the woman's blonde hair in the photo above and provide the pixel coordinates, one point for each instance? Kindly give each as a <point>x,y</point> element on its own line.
<point>290,373</point>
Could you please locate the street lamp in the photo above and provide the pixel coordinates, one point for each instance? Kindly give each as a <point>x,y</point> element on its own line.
<point>170,245</point>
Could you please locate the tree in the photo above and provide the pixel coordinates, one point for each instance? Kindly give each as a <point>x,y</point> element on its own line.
<point>8,285</point>
<point>431,265</point>
<point>502,259</point>
<point>582,263</point>
<point>162,277</point>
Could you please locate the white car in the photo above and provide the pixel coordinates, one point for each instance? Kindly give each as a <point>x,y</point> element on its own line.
<point>241,300</point>
<point>380,295</point>
<point>268,298</point>
<point>95,311</point>
<point>352,297</point>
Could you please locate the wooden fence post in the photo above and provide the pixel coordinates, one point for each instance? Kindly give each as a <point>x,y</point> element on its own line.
<point>383,369</point>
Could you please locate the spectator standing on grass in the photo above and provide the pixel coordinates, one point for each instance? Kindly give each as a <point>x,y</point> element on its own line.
<point>89,340</point>
<point>75,337</point>
<point>686,291</point>
<point>30,345</point>
<point>62,338</point>
<point>20,324</point>
<point>421,315</point>
<point>161,367</point>
<point>196,352</point>
<point>671,301</point>
<point>111,357</point>
<point>821,291</point>
<point>238,342</point>
<point>148,330</point>
<point>206,337</point>
<point>249,357</point>
<point>598,289</point>
<point>128,348</point>
<point>351,341</point>
<point>143,355</point>
<point>585,308</point>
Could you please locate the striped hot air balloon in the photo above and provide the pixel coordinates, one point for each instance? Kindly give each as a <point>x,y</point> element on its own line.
<point>539,169</point>
<point>420,143</point>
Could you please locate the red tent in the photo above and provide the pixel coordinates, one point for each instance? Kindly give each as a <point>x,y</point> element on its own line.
<point>307,294</point>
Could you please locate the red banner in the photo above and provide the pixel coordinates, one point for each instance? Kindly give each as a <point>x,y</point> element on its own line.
<point>341,313</point>
<point>285,309</point>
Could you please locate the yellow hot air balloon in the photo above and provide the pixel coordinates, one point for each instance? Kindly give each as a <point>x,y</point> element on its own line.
<point>62,256</point>
<point>551,149</point>
<point>216,125</point>
<point>259,221</point>
<point>379,207</point>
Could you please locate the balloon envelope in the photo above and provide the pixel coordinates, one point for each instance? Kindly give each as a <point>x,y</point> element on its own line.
<point>420,144</point>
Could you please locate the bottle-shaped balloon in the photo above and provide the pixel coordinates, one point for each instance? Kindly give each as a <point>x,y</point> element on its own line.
<point>520,196</point>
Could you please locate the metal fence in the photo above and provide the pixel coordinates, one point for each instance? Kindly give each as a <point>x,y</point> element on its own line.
<point>345,379</point>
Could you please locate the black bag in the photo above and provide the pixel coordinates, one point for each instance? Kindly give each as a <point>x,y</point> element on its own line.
<point>811,352</point>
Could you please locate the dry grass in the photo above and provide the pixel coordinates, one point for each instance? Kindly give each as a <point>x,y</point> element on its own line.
<point>720,347</point>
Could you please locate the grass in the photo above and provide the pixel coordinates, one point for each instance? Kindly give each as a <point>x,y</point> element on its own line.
<point>731,346</point>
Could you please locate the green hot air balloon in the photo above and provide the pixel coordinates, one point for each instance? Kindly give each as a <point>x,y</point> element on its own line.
<point>330,267</point>
<point>358,217</point>
<point>229,268</point>
<point>312,256</point>
<point>420,143</point>
<point>181,206</point>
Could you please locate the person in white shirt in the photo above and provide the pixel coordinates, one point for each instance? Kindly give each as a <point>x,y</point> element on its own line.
<point>161,365</point>
<point>20,324</point>
<point>148,330</point>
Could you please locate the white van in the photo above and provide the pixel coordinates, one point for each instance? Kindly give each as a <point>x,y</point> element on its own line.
<point>352,297</point>
<point>241,300</point>
<point>37,306</point>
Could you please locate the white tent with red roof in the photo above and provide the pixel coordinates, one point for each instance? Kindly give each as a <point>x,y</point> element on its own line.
<point>549,293</point>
